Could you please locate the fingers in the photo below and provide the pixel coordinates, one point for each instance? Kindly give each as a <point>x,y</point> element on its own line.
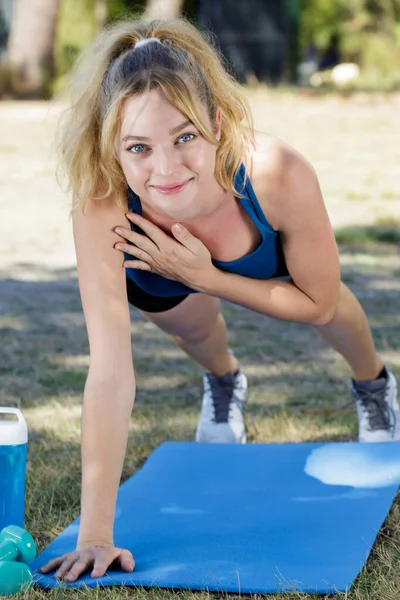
<point>66,565</point>
<point>136,264</point>
<point>152,231</point>
<point>100,567</point>
<point>102,562</point>
<point>186,238</point>
<point>79,567</point>
<point>71,566</point>
<point>134,251</point>
<point>126,561</point>
<point>52,564</point>
<point>61,563</point>
<point>154,236</point>
<point>158,236</point>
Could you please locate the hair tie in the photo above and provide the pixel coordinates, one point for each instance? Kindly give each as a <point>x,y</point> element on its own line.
<point>146,41</point>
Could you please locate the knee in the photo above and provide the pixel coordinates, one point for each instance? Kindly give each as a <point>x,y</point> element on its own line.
<point>191,321</point>
<point>197,334</point>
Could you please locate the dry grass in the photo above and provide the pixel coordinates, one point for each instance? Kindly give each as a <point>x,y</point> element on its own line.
<point>296,380</point>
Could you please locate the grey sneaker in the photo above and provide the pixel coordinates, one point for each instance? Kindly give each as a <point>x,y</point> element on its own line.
<point>224,400</point>
<point>378,410</point>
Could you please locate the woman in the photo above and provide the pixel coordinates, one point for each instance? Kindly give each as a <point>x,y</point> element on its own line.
<point>164,170</point>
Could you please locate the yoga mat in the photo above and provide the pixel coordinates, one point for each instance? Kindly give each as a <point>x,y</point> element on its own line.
<point>255,518</point>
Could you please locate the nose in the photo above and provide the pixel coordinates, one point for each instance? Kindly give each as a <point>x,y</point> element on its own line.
<point>165,162</point>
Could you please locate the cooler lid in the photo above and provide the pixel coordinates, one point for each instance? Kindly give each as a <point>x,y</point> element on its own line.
<point>15,431</point>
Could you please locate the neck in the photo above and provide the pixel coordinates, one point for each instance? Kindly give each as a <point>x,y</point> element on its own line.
<point>208,219</point>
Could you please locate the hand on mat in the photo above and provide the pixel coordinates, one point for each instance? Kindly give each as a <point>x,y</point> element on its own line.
<point>185,258</point>
<point>70,566</point>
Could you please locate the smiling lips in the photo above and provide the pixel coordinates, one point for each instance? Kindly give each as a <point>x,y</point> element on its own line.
<point>172,189</point>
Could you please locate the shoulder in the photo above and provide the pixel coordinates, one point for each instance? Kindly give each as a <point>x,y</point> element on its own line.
<point>276,170</point>
<point>274,158</point>
<point>100,204</point>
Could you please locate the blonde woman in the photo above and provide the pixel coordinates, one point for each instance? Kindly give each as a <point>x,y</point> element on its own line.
<point>165,167</point>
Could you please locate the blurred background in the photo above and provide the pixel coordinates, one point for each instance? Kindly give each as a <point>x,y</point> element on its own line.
<point>351,44</point>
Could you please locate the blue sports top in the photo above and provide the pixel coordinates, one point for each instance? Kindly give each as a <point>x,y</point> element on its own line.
<point>265,262</point>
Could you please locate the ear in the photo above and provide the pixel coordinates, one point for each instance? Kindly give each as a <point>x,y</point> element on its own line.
<point>218,123</point>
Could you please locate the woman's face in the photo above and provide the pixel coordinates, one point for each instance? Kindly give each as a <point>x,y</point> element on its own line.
<point>165,160</point>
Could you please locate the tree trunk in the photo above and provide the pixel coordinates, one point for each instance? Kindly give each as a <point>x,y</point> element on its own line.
<point>30,50</point>
<point>100,14</point>
<point>163,9</point>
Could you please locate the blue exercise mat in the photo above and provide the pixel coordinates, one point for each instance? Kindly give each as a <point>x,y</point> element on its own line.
<point>256,518</point>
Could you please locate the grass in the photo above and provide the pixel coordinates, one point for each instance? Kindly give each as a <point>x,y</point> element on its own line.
<point>298,384</point>
<point>389,234</point>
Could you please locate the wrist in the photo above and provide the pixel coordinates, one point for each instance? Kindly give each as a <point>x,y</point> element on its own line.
<point>99,534</point>
<point>94,541</point>
<point>211,283</point>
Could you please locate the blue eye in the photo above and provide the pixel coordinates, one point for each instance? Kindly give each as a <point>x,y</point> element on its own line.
<point>187,135</point>
<point>134,149</point>
<point>141,148</point>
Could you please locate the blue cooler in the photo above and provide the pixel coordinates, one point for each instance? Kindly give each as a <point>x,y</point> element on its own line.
<point>13,444</point>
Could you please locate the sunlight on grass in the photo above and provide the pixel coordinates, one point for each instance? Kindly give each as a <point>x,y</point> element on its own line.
<point>282,427</point>
<point>60,418</point>
<point>162,382</point>
<point>80,360</point>
<point>9,322</point>
<point>370,259</point>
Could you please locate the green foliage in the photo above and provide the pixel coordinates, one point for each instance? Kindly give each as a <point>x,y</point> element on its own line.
<point>123,9</point>
<point>389,234</point>
<point>319,19</point>
<point>75,30</point>
<point>77,27</point>
<point>369,33</point>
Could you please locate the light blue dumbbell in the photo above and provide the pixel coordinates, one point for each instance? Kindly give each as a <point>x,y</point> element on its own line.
<point>14,577</point>
<point>16,544</point>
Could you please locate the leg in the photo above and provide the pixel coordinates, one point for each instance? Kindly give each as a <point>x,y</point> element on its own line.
<point>198,327</point>
<point>349,333</point>
<point>374,388</point>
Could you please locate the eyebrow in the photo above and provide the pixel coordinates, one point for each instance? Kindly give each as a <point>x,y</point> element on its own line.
<point>171,132</point>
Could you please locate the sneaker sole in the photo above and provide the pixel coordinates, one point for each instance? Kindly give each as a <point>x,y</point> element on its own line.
<point>200,439</point>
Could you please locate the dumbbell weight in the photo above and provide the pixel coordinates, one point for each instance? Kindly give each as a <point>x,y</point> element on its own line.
<point>16,544</point>
<point>14,577</point>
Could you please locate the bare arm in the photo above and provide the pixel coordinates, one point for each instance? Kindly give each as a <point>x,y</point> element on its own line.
<point>310,252</point>
<point>110,385</point>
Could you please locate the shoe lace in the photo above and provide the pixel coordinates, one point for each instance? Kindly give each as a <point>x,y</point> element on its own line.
<point>222,394</point>
<point>380,414</point>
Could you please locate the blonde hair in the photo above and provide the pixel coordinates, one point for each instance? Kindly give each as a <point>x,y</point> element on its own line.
<point>112,69</point>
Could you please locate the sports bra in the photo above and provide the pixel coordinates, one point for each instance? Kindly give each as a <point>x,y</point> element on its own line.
<point>265,262</point>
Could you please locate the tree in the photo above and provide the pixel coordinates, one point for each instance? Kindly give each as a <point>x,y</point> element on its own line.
<point>163,9</point>
<point>321,18</point>
<point>30,49</point>
<point>101,14</point>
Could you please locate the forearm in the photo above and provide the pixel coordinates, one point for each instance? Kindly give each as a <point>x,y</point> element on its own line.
<point>276,298</point>
<point>106,413</point>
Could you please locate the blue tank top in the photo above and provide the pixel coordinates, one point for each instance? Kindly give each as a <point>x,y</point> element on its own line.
<point>265,262</point>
